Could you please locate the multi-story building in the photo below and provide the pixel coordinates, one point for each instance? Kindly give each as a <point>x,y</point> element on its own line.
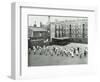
<point>74,29</point>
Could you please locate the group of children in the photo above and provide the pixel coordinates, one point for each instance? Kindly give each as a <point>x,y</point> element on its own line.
<point>59,51</point>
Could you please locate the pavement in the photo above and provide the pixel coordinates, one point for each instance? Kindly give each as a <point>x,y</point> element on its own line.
<point>43,60</point>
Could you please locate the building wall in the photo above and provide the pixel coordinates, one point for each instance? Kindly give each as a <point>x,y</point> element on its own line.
<point>30,33</point>
<point>75,29</point>
<point>52,31</point>
<point>72,29</point>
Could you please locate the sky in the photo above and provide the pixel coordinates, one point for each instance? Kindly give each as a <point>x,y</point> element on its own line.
<point>44,19</point>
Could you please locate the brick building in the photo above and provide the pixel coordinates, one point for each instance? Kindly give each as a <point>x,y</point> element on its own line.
<point>72,30</point>
<point>76,29</point>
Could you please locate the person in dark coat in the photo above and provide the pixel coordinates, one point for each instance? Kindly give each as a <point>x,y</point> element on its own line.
<point>85,53</point>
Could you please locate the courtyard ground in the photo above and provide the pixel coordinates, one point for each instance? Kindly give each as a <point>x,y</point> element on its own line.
<point>43,60</point>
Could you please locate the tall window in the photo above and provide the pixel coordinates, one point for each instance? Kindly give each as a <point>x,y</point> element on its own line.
<point>55,30</point>
<point>70,28</point>
<point>83,30</point>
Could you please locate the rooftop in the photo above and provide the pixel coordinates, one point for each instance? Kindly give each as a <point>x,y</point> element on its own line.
<point>37,28</point>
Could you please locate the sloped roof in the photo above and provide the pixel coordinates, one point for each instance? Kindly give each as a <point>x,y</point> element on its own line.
<point>37,28</point>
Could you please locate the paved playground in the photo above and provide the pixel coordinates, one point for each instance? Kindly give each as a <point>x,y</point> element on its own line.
<point>59,55</point>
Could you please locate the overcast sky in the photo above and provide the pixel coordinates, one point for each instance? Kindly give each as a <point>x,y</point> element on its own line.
<point>44,19</point>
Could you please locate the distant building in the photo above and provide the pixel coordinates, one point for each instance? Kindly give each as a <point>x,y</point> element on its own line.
<point>76,28</point>
<point>41,32</point>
